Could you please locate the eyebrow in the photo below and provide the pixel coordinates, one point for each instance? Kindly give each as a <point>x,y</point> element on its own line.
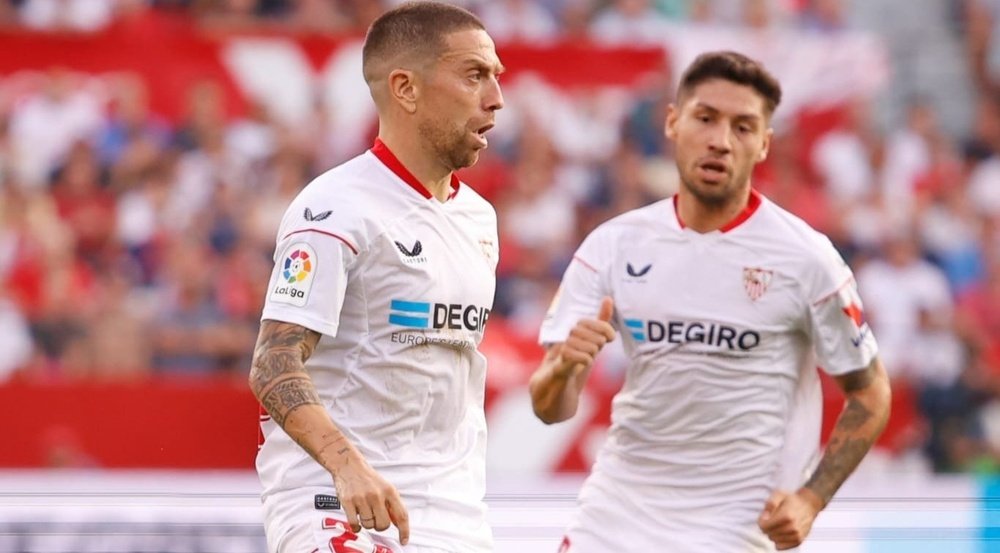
<point>497,68</point>
<point>740,116</point>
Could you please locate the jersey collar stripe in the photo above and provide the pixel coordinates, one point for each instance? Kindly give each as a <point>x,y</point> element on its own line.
<point>337,236</point>
<point>741,217</point>
<point>389,159</point>
<point>584,263</point>
<point>752,204</point>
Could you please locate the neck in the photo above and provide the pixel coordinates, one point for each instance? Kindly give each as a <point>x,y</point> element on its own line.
<point>412,152</point>
<point>705,217</point>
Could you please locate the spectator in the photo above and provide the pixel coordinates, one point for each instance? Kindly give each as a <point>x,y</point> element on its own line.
<point>518,21</point>
<point>318,16</point>
<point>984,154</point>
<point>84,204</point>
<point>67,15</point>
<point>538,215</point>
<point>843,157</point>
<point>824,15</point>
<point>191,334</point>
<point>629,22</point>
<point>948,223</point>
<point>908,154</point>
<point>15,339</point>
<point>140,220</point>
<point>130,138</point>
<point>904,297</point>
<point>45,125</point>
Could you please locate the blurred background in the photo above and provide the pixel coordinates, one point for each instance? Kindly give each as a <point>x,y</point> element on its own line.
<point>148,149</point>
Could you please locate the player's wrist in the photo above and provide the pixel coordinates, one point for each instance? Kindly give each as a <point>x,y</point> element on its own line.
<point>812,498</point>
<point>340,456</point>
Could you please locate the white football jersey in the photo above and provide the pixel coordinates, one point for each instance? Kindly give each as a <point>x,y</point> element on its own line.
<point>400,285</point>
<point>721,402</point>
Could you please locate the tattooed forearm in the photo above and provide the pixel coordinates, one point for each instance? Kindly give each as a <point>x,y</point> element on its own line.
<point>859,425</point>
<point>288,394</point>
<point>277,375</point>
<point>281,383</point>
<point>857,380</point>
<point>843,453</point>
<point>854,416</point>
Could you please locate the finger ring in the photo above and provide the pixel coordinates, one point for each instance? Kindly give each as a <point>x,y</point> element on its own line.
<point>363,519</point>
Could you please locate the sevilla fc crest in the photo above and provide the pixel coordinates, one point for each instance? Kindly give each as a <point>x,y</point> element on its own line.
<point>489,250</point>
<point>756,281</point>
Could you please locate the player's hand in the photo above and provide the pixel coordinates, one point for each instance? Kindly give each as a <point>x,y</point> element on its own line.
<point>369,500</point>
<point>787,518</point>
<point>585,342</point>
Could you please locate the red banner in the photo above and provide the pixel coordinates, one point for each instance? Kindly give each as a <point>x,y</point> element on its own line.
<point>171,53</point>
<point>191,422</point>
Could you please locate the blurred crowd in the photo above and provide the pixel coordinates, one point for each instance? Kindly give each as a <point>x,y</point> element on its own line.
<point>624,20</point>
<point>132,244</point>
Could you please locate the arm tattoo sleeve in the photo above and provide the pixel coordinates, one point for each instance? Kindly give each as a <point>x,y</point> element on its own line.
<point>859,425</point>
<point>277,375</point>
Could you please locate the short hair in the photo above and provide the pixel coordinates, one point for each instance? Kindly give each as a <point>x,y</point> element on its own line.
<point>414,28</point>
<point>736,68</point>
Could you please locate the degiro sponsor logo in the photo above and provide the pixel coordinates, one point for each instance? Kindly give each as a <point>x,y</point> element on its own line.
<point>416,314</point>
<point>684,332</point>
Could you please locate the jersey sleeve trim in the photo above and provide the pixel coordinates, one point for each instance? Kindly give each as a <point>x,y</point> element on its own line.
<point>584,263</point>
<point>337,236</point>
<point>835,291</point>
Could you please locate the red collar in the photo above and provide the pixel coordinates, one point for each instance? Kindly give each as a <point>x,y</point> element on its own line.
<point>390,160</point>
<point>752,204</point>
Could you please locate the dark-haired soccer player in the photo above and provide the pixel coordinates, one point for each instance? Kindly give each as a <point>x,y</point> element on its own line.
<point>725,303</point>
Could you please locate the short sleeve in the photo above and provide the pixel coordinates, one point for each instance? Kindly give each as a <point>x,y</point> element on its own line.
<point>579,295</point>
<point>842,339</point>
<point>316,248</point>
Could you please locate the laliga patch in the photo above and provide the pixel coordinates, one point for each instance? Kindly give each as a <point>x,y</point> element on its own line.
<point>296,272</point>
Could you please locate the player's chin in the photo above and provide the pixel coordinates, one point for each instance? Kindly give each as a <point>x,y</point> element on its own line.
<point>467,158</point>
<point>708,187</point>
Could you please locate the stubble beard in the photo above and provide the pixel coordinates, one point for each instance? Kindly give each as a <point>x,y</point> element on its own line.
<point>716,196</point>
<point>446,142</point>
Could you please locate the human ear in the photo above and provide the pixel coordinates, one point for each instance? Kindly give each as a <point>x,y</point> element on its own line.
<point>670,127</point>
<point>404,89</point>
<point>766,146</point>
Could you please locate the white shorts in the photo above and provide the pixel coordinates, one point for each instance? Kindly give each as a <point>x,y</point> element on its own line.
<point>293,524</point>
<point>609,518</point>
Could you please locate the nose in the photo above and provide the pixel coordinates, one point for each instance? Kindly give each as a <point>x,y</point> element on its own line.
<point>493,97</point>
<point>720,139</point>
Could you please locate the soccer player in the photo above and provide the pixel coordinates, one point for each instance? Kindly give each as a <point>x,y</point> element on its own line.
<point>367,362</point>
<point>725,303</point>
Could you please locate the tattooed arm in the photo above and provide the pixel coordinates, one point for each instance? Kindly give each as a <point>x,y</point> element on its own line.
<point>865,413</point>
<point>787,518</point>
<point>279,379</point>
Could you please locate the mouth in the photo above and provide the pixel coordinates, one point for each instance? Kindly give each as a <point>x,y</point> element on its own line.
<point>713,170</point>
<point>481,133</point>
